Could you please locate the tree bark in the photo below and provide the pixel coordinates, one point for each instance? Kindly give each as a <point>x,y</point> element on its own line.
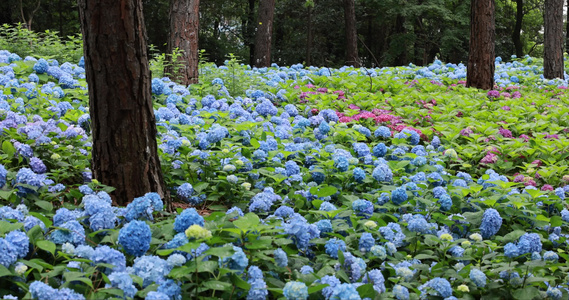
<point>480,67</point>
<point>516,35</point>
<point>553,40</point>
<point>309,36</point>
<point>250,31</point>
<point>567,30</point>
<point>352,57</point>
<point>401,58</point>
<point>120,104</point>
<point>264,33</point>
<point>184,28</point>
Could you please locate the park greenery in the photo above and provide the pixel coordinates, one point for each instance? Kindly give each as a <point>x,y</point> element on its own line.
<point>291,182</point>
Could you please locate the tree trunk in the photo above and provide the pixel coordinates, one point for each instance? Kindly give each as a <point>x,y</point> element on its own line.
<point>567,30</point>
<point>352,57</point>
<point>264,33</point>
<point>309,36</point>
<point>553,40</point>
<point>480,68</point>
<point>123,125</point>
<point>184,28</point>
<point>516,35</point>
<point>401,58</point>
<point>250,31</point>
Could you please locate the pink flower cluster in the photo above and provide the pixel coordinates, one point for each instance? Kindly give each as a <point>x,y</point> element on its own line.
<point>378,115</point>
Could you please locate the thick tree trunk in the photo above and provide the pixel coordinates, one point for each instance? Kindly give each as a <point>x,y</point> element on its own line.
<point>480,68</point>
<point>516,35</point>
<point>184,28</point>
<point>553,40</point>
<point>264,33</point>
<point>123,125</point>
<point>352,57</point>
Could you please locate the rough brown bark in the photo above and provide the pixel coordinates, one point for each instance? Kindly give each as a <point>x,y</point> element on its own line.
<point>264,33</point>
<point>516,35</point>
<point>553,40</point>
<point>123,125</point>
<point>183,34</point>
<point>480,67</point>
<point>250,31</point>
<point>352,57</point>
<point>567,31</point>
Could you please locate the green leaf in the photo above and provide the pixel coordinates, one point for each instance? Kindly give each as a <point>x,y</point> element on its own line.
<point>220,251</point>
<point>200,186</point>
<point>7,226</point>
<point>366,291</point>
<point>4,271</point>
<point>218,285</point>
<point>255,143</point>
<point>44,205</point>
<point>207,266</point>
<point>240,283</point>
<point>8,148</point>
<point>247,222</point>
<point>529,292</point>
<point>316,288</point>
<point>556,221</point>
<point>46,245</point>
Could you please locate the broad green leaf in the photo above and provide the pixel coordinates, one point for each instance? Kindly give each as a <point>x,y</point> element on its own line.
<point>247,222</point>
<point>220,251</point>
<point>44,205</point>
<point>46,245</point>
<point>217,285</point>
<point>8,148</point>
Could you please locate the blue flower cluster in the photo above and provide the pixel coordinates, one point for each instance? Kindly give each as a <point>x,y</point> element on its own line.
<point>491,223</point>
<point>135,237</point>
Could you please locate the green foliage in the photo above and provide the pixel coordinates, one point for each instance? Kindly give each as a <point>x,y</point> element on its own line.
<point>48,44</point>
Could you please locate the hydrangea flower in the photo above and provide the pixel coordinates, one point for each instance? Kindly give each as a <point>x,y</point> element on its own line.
<point>382,173</point>
<point>135,237</point>
<point>122,281</point>
<point>238,261</point>
<point>363,208</point>
<point>107,255</point>
<point>400,292</point>
<point>187,218</point>
<point>345,291</point>
<point>152,269</point>
<point>281,258</point>
<point>366,242</point>
<point>295,290</point>
<point>333,245</point>
<point>491,223</point>
<point>399,196</point>
<point>478,277</point>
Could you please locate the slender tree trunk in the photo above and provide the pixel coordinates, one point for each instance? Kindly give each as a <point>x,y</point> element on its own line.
<point>553,40</point>
<point>123,125</point>
<point>516,35</point>
<point>352,57</point>
<point>401,58</point>
<point>184,28</point>
<point>480,68</point>
<point>567,30</point>
<point>250,31</point>
<point>309,36</point>
<point>264,33</point>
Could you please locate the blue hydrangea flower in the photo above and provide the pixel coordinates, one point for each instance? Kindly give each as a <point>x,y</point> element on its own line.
<point>400,292</point>
<point>378,251</point>
<point>185,191</point>
<point>306,270</point>
<point>281,258</point>
<point>345,291</point>
<point>550,256</point>
<point>333,245</point>
<point>399,196</point>
<point>363,208</point>
<point>359,174</point>
<point>324,226</point>
<point>411,136</point>
<point>152,269</point>
<point>8,253</point>
<point>554,293</point>
<point>170,288</point>
<point>154,295</point>
<point>376,278</point>
<point>41,66</point>
<point>135,237</point>
<point>478,277</point>
<point>187,218</point>
<point>20,241</point>
<point>382,131</point>
<point>84,251</point>
<point>238,261</point>
<point>529,243</point>
<point>446,202</point>
<point>122,281</point>
<point>258,290</point>
<point>511,250</point>
<point>71,232</point>
<point>353,266</point>
<point>441,287</point>
<point>107,255</point>
<point>366,242</point>
<point>491,223</point>
<point>294,290</point>
<point>382,173</point>
<point>379,150</point>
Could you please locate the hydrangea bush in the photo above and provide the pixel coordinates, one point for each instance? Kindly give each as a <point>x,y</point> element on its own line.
<point>293,183</point>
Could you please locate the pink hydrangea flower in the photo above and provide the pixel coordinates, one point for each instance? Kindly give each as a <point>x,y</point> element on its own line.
<point>490,158</point>
<point>505,133</point>
<point>547,187</point>
<point>493,94</point>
